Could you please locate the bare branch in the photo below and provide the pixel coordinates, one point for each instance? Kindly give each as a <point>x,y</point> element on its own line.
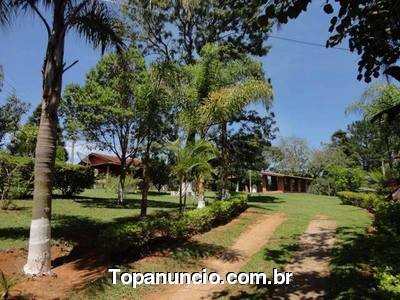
<point>70,66</point>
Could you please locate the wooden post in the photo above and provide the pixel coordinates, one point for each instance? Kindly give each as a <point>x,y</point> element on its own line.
<point>281,184</point>
<point>264,183</point>
<point>299,185</point>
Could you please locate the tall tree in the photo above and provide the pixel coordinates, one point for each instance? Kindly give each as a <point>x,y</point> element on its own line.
<point>23,141</point>
<point>70,116</point>
<point>295,156</point>
<point>94,21</point>
<point>179,29</point>
<point>155,117</point>
<point>249,142</point>
<point>10,115</point>
<point>224,88</point>
<point>107,107</point>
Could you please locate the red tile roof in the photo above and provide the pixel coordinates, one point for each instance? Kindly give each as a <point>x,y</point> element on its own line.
<point>97,159</point>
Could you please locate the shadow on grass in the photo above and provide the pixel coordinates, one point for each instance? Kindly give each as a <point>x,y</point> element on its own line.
<point>351,272</point>
<point>265,199</point>
<point>129,203</point>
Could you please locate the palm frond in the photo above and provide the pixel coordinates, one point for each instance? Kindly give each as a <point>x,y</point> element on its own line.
<point>7,8</point>
<point>97,24</point>
<point>224,103</point>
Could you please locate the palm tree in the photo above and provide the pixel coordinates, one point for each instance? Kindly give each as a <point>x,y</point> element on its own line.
<point>95,22</point>
<point>222,105</point>
<point>215,77</point>
<point>192,161</point>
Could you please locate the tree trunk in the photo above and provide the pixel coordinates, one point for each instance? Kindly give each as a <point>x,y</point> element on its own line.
<point>180,195</point>
<point>146,183</point>
<point>39,258</point>
<point>121,185</point>
<point>184,197</point>
<point>200,193</point>
<point>225,158</point>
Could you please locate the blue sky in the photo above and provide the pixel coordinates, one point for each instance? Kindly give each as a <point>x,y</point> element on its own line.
<point>312,85</point>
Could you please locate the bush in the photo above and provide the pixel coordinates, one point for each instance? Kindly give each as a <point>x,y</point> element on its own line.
<point>389,284</point>
<point>131,236</point>
<point>387,219</point>
<point>369,201</point>
<point>16,177</point>
<point>320,186</point>
<point>72,179</point>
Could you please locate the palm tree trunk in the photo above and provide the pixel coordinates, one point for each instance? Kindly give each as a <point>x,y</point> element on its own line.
<point>180,195</point>
<point>225,158</point>
<point>39,258</point>
<point>200,193</point>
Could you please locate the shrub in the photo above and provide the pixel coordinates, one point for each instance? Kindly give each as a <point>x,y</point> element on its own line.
<point>72,179</point>
<point>130,236</point>
<point>387,219</point>
<point>16,177</point>
<point>368,201</point>
<point>389,284</point>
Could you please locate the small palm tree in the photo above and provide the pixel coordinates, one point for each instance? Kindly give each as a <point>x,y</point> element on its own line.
<point>95,22</point>
<point>192,161</point>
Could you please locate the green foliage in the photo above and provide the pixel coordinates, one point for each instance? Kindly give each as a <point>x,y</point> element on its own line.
<point>23,140</point>
<point>320,186</point>
<point>16,178</point>
<point>128,237</point>
<point>344,178</point>
<point>10,115</point>
<point>159,173</point>
<point>389,283</point>
<point>294,156</point>
<point>370,201</point>
<point>131,184</point>
<point>181,29</point>
<point>248,145</point>
<point>72,179</point>
<point>387,219</point>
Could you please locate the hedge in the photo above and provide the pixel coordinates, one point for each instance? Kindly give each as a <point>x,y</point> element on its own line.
<point>72,179</point>
<point>130,236</point>
<point>387,219</point>
<point>16,177</point>
<point>368,201</point>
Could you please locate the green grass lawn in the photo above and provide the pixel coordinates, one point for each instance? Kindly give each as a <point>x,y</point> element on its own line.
<point>88,209</point>
<point>300,209</point>
<point>96,207</point>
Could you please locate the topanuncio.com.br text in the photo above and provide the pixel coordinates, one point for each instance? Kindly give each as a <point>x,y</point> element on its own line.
<point>136,279</point>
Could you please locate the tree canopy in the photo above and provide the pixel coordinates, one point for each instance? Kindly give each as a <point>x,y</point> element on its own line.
<point>179,29</point>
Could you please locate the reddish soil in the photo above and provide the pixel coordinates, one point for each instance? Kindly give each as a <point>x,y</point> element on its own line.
<point>65,278</point>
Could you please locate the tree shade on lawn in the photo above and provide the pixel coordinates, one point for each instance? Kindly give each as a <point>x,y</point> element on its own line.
<point>94,21</point>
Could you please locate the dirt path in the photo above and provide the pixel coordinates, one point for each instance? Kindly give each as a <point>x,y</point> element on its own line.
<point>248,244</point>
<point>310,264</point>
